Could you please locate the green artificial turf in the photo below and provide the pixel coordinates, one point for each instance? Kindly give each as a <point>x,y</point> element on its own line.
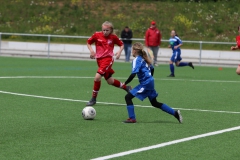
<point>40,128</point>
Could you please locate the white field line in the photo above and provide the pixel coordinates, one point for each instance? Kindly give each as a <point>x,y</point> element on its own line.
<point>109,103</point>
<point>167,143</point>
<point>76,77</point>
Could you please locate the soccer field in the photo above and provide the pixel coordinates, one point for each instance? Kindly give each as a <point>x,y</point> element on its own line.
<point>41,102</point>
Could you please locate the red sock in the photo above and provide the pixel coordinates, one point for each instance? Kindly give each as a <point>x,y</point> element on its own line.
<point>118,84</point>
<point>96,88</point>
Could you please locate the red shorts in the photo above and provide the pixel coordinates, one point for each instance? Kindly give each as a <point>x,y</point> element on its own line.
<point>105,67</point>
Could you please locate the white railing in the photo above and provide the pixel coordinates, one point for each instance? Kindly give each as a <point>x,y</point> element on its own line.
<point>48,36</point>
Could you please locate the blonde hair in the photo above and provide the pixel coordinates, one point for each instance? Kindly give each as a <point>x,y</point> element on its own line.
<point>140,51</point>
<point>107,23</point>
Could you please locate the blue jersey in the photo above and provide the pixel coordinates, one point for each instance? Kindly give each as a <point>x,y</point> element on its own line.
<point>143,71</point>
<point>174,41</point>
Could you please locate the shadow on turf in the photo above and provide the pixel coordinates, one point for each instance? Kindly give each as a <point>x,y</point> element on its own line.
<point>156,121</point>
<point>159,121</point>
<point>138,122</point>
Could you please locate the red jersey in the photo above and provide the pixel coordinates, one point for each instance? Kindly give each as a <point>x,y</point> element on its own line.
<point>104,45</point>
<point>153,37</point>
<point>238,41</point>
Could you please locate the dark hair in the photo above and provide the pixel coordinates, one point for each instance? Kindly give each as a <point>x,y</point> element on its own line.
<point>175,32</point>
<point>126,27</point>
<point>238,28</point>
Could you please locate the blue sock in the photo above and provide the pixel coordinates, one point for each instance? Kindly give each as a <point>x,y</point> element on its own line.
<point>131,113</point>
<point>182,64</point>
<point>168,109</point>
<point>172,69</point>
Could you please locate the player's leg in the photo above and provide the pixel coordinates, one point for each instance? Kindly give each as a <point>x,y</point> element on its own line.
<point>108,72</point>
<point>167,109</point>
<point>238,70</point>
<point>116,83</point>
<point>171,66</point>
<point>139,92</point>
<point>130,109</point>
<point>182,64</point>
<point>96,88</point>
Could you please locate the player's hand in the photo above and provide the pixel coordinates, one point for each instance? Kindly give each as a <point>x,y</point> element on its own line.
<point>175,47</point>
<point>169,46</point>
<point>92,55</point>
<point>233,48</point>
<point>118,54</point>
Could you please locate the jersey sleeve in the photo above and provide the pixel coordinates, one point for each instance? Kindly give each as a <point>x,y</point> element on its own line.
<point>135,66</point>
<point>117,41</point>
<point>92,39</point>
<point>179,40</point>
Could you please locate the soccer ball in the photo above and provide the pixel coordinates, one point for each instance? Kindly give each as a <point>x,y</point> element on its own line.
<point>89,113</point>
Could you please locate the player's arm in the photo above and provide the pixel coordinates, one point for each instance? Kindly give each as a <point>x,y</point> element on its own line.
<point>130,78</point>
<point>92,53</point>
<point>234,47</point>
<point>179,45</point>
<point>90,41</point>
<point>120,44</point>
<point>152,70</point>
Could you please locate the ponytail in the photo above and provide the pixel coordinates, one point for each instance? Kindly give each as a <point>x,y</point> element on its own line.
<point>140,51</point>
<point>146,58</point>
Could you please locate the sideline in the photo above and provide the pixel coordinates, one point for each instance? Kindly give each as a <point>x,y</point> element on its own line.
<point>167,143</point>
<point>109,103</point>
<point>76,77</point>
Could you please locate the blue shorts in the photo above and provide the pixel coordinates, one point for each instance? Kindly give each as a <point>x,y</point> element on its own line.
<point>144,91</point>
<point>176,56</point>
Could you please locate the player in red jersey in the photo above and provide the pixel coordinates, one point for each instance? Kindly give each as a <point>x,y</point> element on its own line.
<point>104,42</point>
<point>237,47</point>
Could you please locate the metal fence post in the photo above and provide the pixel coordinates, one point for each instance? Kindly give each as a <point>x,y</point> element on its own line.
<point>0,41</point>
<point>49,45</point>
<point>200,54</point>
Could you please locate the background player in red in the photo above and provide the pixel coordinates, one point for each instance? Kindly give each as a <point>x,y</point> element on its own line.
<point>237,47</point>
<point>104,42</point>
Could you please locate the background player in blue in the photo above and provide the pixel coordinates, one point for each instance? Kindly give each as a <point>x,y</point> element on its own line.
<point>141,66</point>
<point>175,43</point>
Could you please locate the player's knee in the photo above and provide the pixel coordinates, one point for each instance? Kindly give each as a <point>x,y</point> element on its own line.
<point>98,77</point>
<point>109,82</point>
<point>156,104</point>
<point>170,62</point>
<point>128,99</point>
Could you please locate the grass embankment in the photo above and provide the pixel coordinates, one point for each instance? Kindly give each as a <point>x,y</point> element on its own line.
<point>208,21</point>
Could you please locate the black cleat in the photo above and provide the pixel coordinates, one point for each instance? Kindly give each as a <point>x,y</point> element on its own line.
<point>92,102</point>
<point>178,116</point>
<point>191,65</point>
<point>171,75</point>
<point>128,89</point>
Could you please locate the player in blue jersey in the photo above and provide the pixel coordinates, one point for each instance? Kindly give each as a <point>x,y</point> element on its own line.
<point>175,43</point>
<point>141,66</point>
